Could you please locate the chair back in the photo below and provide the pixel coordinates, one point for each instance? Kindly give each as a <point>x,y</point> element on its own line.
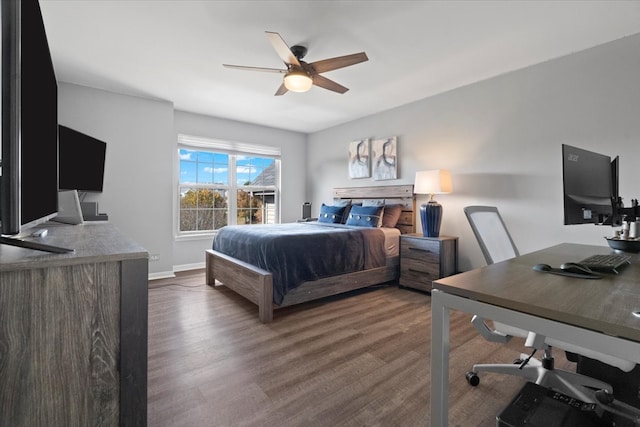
<point>491,232</point>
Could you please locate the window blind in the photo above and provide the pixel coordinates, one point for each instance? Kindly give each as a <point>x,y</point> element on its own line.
<point>231,147</point>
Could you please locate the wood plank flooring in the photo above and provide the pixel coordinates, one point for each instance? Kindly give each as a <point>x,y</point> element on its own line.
<point>357,360</point>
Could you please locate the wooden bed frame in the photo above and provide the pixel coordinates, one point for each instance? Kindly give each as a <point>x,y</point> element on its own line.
<point>256,284</point>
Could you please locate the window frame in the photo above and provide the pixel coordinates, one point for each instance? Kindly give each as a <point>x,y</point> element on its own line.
<point>234,150</point>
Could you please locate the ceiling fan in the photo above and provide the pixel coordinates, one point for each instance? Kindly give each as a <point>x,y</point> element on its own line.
<point>299,75</point>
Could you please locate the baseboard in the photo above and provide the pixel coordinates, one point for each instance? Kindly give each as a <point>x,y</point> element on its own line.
<point>176,268</point>
<point>187,267</point>
<point>161,275</point>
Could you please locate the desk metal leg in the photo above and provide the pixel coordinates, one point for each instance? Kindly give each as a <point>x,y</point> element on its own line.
<point>441,305</point>
<point>439,361</point>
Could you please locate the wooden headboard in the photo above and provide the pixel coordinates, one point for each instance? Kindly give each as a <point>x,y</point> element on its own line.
<point>392,194</point>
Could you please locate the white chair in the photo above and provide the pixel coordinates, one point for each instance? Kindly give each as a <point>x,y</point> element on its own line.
<point>497,245</point>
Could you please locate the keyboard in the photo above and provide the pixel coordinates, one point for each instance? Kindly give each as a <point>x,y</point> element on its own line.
<point>607,263</point>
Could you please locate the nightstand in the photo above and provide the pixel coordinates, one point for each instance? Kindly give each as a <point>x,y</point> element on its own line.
<point>425,259</point>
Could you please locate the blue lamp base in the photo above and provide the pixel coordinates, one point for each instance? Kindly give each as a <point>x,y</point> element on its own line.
<point>431,217</point>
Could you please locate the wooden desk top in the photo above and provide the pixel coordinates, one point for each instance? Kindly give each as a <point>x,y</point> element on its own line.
<point>603,305</point>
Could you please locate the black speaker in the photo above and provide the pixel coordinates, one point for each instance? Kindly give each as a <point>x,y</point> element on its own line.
<point>306,210</point>
<point>89,208</point>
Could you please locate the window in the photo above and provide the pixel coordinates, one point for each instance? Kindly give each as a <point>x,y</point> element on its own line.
<point>223,183</point>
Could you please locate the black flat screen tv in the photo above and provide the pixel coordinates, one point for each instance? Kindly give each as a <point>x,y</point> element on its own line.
<point>29,180</point>
<point>29,121</point>
<point>590,186</point>
<point>81,161</point>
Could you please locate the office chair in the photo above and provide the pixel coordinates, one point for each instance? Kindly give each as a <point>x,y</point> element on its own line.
<point>497,245</point>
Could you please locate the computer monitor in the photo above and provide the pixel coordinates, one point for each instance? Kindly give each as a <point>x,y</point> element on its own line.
<point>81,160</point>
<point>589,187</point>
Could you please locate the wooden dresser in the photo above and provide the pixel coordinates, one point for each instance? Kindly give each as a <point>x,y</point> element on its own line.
<point>425,259</point>
<point>73,330</point>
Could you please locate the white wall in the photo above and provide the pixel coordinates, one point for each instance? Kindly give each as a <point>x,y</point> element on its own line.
<point>140,171</point>
<point>501,139</point>
<point>137,181</point>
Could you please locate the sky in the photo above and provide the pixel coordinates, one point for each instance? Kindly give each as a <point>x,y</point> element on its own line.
<point>203,167</point>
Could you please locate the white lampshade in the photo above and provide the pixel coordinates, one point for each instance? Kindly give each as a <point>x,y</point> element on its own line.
<point>297,81</point>
<point>437,181</point>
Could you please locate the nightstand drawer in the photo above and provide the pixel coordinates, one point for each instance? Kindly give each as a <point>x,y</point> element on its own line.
<point>414,272</point>
<point>423,250</point>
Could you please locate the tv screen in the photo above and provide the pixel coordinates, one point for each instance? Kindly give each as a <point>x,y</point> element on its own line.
<point>29,180</point>
<point>81,161</point>
<point>588,186</point>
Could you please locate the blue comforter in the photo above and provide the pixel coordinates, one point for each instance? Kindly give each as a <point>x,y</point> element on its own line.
<point>300,252</point>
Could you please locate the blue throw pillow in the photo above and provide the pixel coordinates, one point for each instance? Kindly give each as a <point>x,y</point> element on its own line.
<point>331,214</point>
<point>365,216</point>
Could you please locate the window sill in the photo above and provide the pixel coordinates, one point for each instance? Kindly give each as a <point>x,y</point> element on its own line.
<point>195,236</point>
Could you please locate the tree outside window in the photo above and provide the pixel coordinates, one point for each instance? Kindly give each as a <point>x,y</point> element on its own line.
<point>202,209</point>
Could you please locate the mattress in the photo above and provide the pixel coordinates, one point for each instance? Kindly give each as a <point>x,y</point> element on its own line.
<point>391,242</point>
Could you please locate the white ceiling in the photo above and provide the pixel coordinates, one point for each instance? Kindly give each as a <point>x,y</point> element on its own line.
<point>174,49</point>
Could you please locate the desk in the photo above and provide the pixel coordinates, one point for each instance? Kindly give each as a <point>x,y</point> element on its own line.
<point>595,314</point>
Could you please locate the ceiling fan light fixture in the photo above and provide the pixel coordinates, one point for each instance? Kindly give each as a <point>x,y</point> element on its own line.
<point>297,81</point>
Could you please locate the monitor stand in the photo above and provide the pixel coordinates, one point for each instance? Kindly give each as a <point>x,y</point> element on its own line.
<point>14,241</point>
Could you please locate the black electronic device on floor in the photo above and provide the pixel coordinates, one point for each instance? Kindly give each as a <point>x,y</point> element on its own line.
<point>537,406</point>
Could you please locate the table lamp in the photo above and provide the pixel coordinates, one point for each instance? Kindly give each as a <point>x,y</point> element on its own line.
<point>432,182</point>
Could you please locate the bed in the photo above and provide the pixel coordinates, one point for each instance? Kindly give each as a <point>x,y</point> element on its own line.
<point>261,286</point>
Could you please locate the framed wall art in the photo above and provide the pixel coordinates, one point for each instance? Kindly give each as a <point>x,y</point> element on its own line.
<point>359,159</point>
<point>385,159</point>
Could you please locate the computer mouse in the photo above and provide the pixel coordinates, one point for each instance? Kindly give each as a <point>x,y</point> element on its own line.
<point>573,267</point>
<point>542,267</point>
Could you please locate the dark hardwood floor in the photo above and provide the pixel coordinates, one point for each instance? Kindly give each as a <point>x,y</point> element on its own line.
<point>357,360</point>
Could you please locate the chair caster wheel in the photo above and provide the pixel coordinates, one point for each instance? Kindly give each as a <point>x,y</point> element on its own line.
<point>472,378</point>
<point>604,397</point>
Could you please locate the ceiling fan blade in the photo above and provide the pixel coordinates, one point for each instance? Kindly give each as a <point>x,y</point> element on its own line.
<point>281,90</point>
<point>326,83</point>
<point>339,62</point>
<point>282,49</point>
<point>243,67</point>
